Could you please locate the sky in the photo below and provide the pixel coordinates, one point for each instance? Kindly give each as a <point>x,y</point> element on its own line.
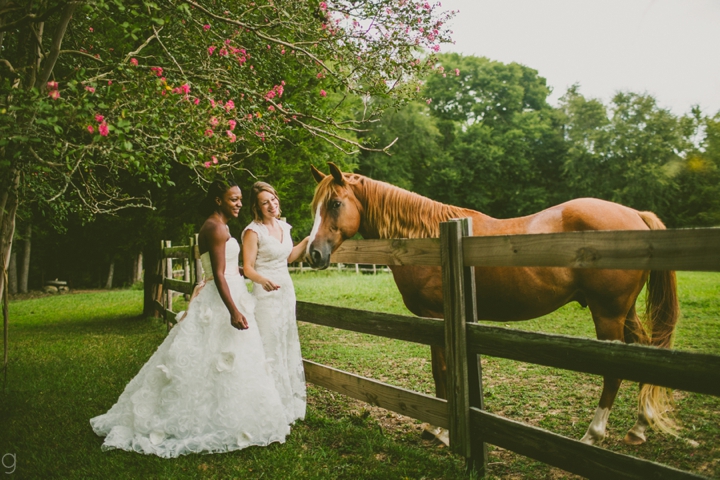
<point>667,48</point>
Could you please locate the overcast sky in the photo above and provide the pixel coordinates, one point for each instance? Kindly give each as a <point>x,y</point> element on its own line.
<point>667,48</point>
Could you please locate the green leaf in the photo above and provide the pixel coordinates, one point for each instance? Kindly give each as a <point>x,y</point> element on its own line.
<point>128,145</point>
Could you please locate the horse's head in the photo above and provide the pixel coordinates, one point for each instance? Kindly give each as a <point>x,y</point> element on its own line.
<point>337,215</point>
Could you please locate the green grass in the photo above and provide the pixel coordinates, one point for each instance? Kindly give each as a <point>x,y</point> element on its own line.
<point>72,355</point>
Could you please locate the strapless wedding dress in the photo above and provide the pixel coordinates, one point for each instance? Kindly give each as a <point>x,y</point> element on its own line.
<point>207,388</point>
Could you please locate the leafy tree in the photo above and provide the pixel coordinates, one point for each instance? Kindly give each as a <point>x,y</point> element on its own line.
<point>503,139</point>
<point>628,152</point>
<point>99,100</point>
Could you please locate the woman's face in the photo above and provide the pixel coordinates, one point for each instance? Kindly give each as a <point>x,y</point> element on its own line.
<point>231,202</point>
<point>269,205</point>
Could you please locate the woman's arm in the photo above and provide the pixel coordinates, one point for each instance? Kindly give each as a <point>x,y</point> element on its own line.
<point>249,253</point>
<point>298,250</point>
<point>216,238</point>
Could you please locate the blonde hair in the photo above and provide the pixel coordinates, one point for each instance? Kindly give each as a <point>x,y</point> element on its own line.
<point>257,188</point>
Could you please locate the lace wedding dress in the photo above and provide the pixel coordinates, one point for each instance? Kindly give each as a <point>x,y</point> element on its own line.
<point>275,314</point>
<point>206,389</point>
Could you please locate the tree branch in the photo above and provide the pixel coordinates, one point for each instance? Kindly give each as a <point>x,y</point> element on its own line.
<point>78,52</point>
<point>56,42</point>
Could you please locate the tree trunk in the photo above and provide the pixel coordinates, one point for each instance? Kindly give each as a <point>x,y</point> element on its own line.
<point>25,265</point>
<point>12,274</point>
<point>108,284</point>
<point>8,211</point>
<point>138,274</point>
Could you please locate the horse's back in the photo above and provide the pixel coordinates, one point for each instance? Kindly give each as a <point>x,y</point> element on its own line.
<point>576,215</point>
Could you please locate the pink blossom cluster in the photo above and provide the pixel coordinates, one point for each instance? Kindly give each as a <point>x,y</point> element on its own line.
<point>158,71</point>
<point>276,91</point>
<point>103,128</point>
<point>90,89</point>
<point>53,91</point>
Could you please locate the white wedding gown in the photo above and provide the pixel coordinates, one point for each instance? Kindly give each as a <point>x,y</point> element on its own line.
<point>275,314</point>
<point>206,389</point>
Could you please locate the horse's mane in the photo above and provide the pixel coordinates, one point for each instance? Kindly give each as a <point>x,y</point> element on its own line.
<point>392,211</point>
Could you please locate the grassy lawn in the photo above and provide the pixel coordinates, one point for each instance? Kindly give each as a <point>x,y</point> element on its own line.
<point>72,355</point>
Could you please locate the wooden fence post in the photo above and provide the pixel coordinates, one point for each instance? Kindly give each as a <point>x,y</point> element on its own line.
<point>464,381</point>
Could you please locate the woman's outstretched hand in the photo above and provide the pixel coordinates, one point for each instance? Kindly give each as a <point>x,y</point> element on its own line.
<point>238,321</point>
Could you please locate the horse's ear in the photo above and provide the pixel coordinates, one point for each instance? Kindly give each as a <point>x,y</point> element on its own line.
<point>317,174</point>
<point>336,173</point>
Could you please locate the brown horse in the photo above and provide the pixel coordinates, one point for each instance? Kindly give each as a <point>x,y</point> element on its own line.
<point>345,204</point>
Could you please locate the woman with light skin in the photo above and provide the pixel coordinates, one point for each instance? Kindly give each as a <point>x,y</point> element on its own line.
<point>267,249</point>
<point>207,388</point>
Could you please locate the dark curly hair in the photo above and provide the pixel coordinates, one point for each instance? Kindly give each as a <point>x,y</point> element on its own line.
<point>216,190</point>
<point>256,189</point>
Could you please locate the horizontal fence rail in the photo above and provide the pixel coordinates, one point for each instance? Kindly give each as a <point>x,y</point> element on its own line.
<point>566,453</point>
<point>406,402</point>
<point>696,249</point>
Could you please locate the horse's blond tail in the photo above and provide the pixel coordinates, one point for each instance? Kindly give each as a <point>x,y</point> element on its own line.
<point>661,313</point>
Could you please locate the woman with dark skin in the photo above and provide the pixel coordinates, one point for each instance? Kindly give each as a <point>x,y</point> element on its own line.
<point>208,387</point>
<point>214,235</point>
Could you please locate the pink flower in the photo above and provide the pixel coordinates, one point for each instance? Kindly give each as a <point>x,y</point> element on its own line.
<point>436,48</point>
<point>271,108</point>
<point>282,52</point>
<point>214,121</point>
<point>185,88</point>
<point>158,71</point>
<point>196,101</point>
<point>214,159</point>
<point>52,85</point>
<point>223,52</point>
<point>207,164</point>
<point>320,75</point>
<point>457,72</point>
<point>231,135</point>
<point>103,129</point>
<point>90,129</point>
<point>323,6</point>
<point>428,101</point>
<point>229,105</point>
<point>91,29</point>
<point>54,94</point>
<point>211,49</point>
<point>99,118</point>
<point>206,27</point>
<point>232,124</point>
<point>109,82</point>
<point>208,133</point>
<point>133,61</point>
<point>323,93</point>
<point>90,89</point>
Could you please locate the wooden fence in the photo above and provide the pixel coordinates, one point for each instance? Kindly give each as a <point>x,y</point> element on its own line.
<point>470,426</point>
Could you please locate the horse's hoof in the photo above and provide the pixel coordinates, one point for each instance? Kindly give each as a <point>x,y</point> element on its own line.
<point>588,439</point>
<point>431,432</point>
<point>634,439</point>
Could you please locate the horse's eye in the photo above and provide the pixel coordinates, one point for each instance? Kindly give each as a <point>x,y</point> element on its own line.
<point>335,204</point>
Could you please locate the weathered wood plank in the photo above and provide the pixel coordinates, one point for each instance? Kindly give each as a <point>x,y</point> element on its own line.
<point>693,372</point>
<point>453,280</point>
<point>427,331</point>
<point>679,249</point>
<point>406,402</point>
<point>403,251</point>
<point>178,285</point>
<point>568,454</point>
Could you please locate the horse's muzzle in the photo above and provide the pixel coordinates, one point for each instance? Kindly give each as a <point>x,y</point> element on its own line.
<point>319,255</point>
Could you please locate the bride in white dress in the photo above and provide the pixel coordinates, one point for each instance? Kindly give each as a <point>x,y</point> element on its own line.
<point>208,387</point>
<point>267,249</point>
